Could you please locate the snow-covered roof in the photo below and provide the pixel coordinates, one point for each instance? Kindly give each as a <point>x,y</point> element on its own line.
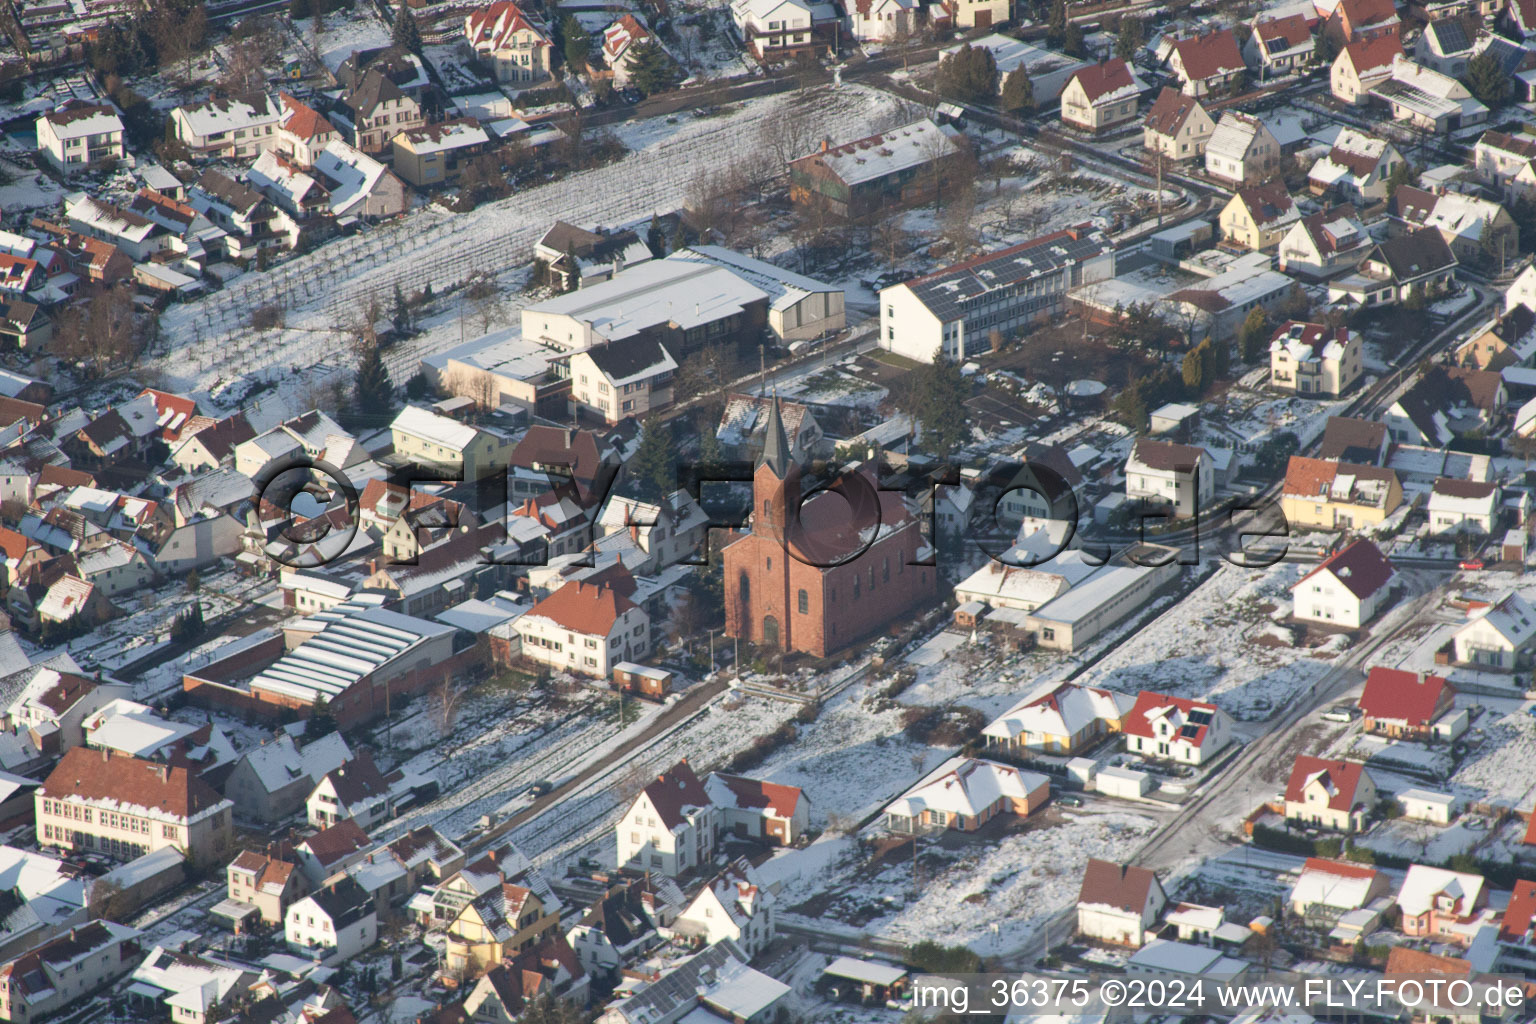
<point>229,114</point>
<point>1065,710</point>
<point>79,120</point>
<point>1423,884</point>
<point>1512,618</point>
<point>684,292</point>
<point>352,174</point>
<point>966,786</point>
<point>430,426</point>
<point>891,152</point>
<point>784,287</point>
<point>348,642</point>
<point>282,761</point>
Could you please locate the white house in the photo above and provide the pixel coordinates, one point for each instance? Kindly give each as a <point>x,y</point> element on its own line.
<point>1313,359</point>
<point>619,40</point>
<point>1346,589</point>
<point>1242,150</point>
<point>1178,475</point>
<point>1117,903</point>
<point>1356,167</point>
<point>80,136</point>
<point>516,48</point>
<point>228,127</point>
<point>355,791</point>
<point>1463,506</point>
<point>1339,795</point>
<point>1427,99</point>
<point>334,923</point>
<point>1505,162</point>
<point>1331,888</point>
<point>1499,636</point>
<point>774,30</point>
<point>672,827</point>
<point>585,628</point>
<point>1167,728</point>
<point>733,905</point>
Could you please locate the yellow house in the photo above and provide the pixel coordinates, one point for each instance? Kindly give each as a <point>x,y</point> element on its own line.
<point>1508,341</point>
<point>1258,216</point>
<point>1338,495</point>
<point>429,439</point>
<point>1063,721</point>
<point>501,923</point>
<point>1331,794</point>
<point>1101,96</point>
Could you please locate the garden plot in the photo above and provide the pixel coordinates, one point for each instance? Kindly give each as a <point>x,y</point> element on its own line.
<point>988,892</point>
<point>323,290</point>
<point>360,28</point>
<point>1430,843</point>
<point>1252,416</point>
<point>1498,772</point>
<point>1219,644</point>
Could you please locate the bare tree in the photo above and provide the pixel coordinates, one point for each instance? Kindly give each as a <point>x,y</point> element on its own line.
<point>445,705</point>
<point>959,219</point>
<point>892,241</point>
<point>178,33</point>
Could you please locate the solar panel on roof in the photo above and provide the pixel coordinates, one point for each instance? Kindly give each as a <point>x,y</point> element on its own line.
<point>1190,731</point>
<point>1200,717</point>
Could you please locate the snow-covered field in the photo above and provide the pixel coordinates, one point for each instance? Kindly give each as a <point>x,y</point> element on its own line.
<point>1219,644</point>
<point>324,289</point>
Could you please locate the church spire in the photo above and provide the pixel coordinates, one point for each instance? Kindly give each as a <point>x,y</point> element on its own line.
<point>776,444</point>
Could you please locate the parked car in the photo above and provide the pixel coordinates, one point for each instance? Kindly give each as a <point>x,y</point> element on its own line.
<point>1070,800</point>
<point>1340,713</point>
<point>1471,563</point>
<point>542,788</point>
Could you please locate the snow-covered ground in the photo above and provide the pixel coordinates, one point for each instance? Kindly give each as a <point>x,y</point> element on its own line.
<point>1220,644</point>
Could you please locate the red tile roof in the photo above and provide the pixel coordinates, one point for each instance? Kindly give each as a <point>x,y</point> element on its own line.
<point>98,775</point>
<point>302,120</point>
<point>1516,925</point>
<point>1116,885</point>
<point>340,840</point>
<point>587,608</point>
<point>1100,79</point>
<point>1403,696</point>
<point>752,793</point>
<point>1374,53</point>
<point>1338,867</point>
<point>1213,53</point>
<point>1169,111</point>
<point>1341,777</point>
<point>1137,722</point>
<point>1361,567</point>
<point>674,791</point>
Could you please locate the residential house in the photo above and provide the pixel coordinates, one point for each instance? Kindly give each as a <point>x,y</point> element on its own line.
<point>1447,45</point>
<point>1118,903</point>
<point>66,971</point>
<point>1177,475</point>
<point>1101,97</point>
<point>585,628</point>
<point>266,883</point>
<point>1362,66</point>
<point>429,438</point>
<point>1314,359</point>
<point>229,128</point>
<point>572,257</point>
<point>623,379</point>
<point>516,48</point>
<point>1325,244</point>
<point>1392,270</point>
<point>775,30</point>
<point>904,164</point>
<point>672,826</point>
<point>1338,795</point>
<point>359,185</point>
<point>1279,45</point>
<point>1067,719</point>
<point>312,434</point>
<point>1510,340</point>
<point>437,154</point>
<point>1469,225</point>
<point>765,811</point>
<point>1356,21</point>
<point>880,21</point>
<point>1356,168</point>
<point>355,790</point>
<point>1498,636</point>
<point>1402,704</point>
<point>188,987</point>
<point>965,793</point>
<point>124,807</point>
<point>1325,890</point>
<point>334,923</point>
<point>1440,904</point>
<point>58,702</point>
<point>1463,506</point>
<point>1428,100</point>
<point>1208,63</point>
<point>302,132</point>
<point>1177,126</point>
<point>331,851</point>
<point>80,136</point>
<point>498,924</point>
<point>377,110</point>
<point>1346,589</point>
<point>617,927</point>
<point>1164,728</point>
<point>965,15</point>
<point>250,220</point>
<point>1242,150</point>
<point>71,598</point>
<point>734,906</point>
<point>1504,161</point>
<point>549,970</point>
<point>1258,217</point>
<point>619,41</point>
<point>1328,494</point>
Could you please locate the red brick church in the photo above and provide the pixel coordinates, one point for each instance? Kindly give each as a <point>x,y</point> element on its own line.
<point>801,582</point>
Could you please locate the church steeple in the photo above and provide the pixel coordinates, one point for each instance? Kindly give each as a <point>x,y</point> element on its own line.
<point>776,443</point>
